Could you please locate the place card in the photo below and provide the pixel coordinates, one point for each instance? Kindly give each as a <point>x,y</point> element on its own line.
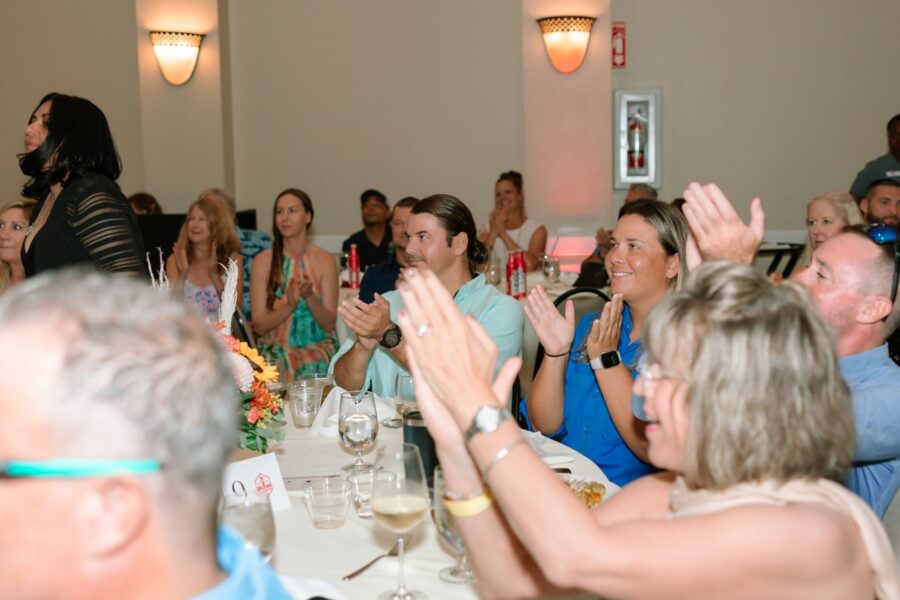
<point>257,475</point>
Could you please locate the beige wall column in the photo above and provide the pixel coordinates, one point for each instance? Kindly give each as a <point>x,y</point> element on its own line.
<point>567,123</point>
<point>184,127</point>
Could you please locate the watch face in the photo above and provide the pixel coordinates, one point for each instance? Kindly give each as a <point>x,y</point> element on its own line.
<point>609,359</point>
<point>391,337</point>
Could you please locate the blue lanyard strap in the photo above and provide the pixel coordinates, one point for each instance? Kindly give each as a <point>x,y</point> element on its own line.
<point>76,467</point>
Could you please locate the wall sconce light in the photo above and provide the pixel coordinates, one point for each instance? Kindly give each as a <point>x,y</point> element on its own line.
<point>176,54</point>
<point>566,39</point>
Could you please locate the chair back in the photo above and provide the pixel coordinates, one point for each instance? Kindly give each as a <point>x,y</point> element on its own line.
<point>592,301</point>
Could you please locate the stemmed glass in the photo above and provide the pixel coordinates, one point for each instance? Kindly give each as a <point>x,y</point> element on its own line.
<point>399,501</point>
<point>461,572</point>
<point>358,426</point>
<point>404,393</point>
<point>251,516</point>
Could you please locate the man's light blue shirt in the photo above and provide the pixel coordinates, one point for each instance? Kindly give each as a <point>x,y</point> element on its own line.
<point>249,577</point>
<point>499,314</point>
<point>874,382</point>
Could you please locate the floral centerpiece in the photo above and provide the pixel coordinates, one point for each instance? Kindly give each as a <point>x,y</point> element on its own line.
<point>261,410</point>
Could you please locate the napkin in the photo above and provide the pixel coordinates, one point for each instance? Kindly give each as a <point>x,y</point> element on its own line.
<point>536,440</point>
<point>326,422</point>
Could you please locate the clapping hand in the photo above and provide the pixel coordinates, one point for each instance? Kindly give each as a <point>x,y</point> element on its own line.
<point>606,329</point>
<point>554,331</point>
<point>452,357</point>
<point>716,227</point>
<point>181,259</point>
<point>367,321</point>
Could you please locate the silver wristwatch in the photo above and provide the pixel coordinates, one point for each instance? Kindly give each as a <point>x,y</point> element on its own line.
<point>486,420</point>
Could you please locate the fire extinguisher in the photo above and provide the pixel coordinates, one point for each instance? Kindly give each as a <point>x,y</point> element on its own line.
<point>636,141</point>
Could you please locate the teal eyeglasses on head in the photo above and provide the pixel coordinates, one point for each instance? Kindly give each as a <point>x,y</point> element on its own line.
<point>76,467</point>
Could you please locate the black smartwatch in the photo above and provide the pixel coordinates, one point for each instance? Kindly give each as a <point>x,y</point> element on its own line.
<point>607,360</point>
<point>391,337</point>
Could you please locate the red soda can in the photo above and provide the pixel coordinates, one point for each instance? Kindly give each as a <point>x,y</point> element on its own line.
<point>520,270</point>
<point>353,264</point>
<point>510,270</point>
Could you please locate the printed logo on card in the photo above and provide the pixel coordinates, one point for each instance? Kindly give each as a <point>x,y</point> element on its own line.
<point>263,484</point>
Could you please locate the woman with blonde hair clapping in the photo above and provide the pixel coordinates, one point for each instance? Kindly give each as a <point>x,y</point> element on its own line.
<point>748,416</point>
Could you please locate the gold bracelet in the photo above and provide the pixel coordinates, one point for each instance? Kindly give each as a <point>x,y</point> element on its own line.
<point>469,507</point>
<point>501,454</point>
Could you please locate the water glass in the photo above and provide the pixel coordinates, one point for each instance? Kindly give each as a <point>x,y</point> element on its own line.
<point>305,397</point>
<point>461,572</point>
<point>324,380</point>
<point>327,499</point>
<point>551,269</point>
<point>358,426</point>
<point>361,483</point>
<point>251,516</point>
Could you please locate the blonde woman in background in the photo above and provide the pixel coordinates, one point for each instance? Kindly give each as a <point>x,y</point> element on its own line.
<point>826,215</point>
<point>196,268</point>
<point>14,218</point>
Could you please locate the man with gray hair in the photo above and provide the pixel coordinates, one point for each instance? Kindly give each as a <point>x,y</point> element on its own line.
<point>120,413</point>
<point>850,280</point>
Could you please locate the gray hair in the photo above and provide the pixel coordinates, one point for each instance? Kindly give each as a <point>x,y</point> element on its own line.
<point>765,396</point>
<point>140,376</point>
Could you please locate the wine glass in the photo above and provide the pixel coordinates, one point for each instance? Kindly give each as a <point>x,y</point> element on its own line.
<point>551,269</point>
<point>461,572</point>
<point>399,501</point>
<point>358,426</point>
<point>251,516</point>
<point>404,394</point>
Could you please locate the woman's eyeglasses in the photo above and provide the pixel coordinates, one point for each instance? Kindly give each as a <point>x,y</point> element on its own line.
<point>74,467</point>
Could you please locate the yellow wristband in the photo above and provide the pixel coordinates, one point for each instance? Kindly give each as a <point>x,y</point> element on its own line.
<point>470,507</point>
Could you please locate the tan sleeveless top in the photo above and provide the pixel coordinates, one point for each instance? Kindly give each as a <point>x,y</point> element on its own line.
<point>686,502</point>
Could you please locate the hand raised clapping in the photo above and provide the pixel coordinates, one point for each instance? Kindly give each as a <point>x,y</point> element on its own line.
<point>554,331</point>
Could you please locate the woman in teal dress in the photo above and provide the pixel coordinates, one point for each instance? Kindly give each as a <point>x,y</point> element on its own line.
<point>294,292</point>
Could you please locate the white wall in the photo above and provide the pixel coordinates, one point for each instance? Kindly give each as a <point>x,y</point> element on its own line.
<point>409,97</point>
<point>782,100</point>
<point>80,47</point>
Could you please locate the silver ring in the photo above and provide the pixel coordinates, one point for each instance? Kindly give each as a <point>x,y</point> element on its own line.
<point>422,330</point>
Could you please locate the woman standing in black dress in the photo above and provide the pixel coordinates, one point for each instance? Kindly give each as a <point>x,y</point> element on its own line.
<point>81,215</point>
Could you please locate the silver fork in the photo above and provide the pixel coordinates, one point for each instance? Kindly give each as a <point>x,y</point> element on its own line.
<point>392,552</point>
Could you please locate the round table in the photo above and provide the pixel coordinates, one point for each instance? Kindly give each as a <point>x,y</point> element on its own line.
<point>304,551</point>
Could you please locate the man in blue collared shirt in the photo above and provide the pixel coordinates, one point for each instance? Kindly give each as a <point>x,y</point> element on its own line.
<point>442,238</point>
<point>850,279</point>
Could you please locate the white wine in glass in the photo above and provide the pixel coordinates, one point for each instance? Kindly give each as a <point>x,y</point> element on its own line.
<point>399,501</point>
<point>358,426</point>
<point>251,516</point>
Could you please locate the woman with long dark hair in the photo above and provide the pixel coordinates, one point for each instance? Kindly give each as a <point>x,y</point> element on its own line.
<point>294,292</point>
<point>81,214</point>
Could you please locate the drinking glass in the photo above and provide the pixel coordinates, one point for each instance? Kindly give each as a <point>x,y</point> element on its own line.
<point>251,516</point>
<point>362,492</point>
<point>358,426</point>
<point>305,398</point>
<point>551,269</point>
<point>399,501</point>
<point>461,572</point>
<point>404,395</point>
<point>324,380</point>
<point>493,273</point>
<point>327,499</point>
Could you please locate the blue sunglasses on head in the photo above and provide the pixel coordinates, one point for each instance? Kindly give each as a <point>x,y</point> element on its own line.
<point>73,467</point>
<point>883,234</point>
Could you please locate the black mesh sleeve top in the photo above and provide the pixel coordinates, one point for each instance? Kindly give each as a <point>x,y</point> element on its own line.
<point>90,222</point>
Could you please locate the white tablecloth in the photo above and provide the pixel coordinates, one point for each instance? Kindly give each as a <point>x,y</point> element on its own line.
<point>305,551</point>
